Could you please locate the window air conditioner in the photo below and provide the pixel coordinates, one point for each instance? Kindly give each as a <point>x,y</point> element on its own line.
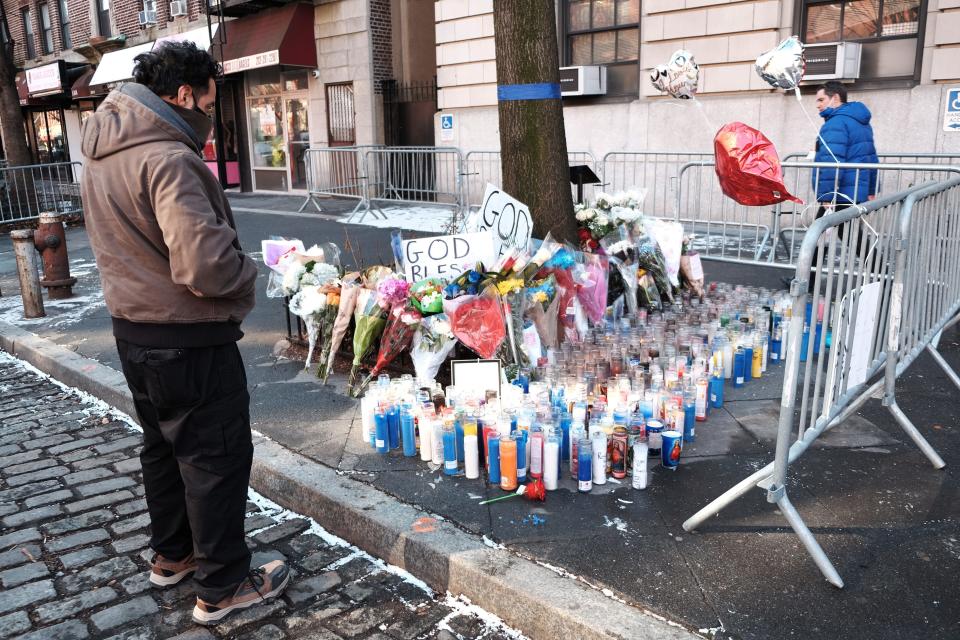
<point>583,81</point>
<point>178,8</point>
<point>832,61</point>
<point>146,17</point>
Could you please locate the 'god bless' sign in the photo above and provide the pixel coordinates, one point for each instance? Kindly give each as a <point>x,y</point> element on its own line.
<point>445,256</point>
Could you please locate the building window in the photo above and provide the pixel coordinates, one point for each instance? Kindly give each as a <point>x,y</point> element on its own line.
<point>64,24</point>
<point>46,29</point>
<point>861,20</point>
<point>31,51</point>
<point>602,31</point>
<point>103,17</point>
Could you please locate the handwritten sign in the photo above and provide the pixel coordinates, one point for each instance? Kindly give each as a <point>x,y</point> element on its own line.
<point>476,377</point>
<point>445,256</point>
<point>505,218</point>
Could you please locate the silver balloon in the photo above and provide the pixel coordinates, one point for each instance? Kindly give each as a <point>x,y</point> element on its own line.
<point>679,77</point>
<point>783,66</point>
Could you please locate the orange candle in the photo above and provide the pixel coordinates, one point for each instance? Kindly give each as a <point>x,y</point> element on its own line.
<point>508,464</point>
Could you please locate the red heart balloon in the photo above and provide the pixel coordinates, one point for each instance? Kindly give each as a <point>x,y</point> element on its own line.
<point>748,166</point>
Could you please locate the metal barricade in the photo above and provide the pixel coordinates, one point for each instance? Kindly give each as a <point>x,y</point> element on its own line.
<point>481,167</point>
<point>414,176</point>
<point>728,231</point>
<point>26,191</point>
<point>861,260</point>
<point>336,172</point>
<point>655,171</point>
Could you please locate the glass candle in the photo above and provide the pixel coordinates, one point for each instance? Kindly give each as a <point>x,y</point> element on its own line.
<point>508,463</point>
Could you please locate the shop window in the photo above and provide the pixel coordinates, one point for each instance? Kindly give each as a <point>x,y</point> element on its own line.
<point>103,17</point>
<point>889,31</point>
<point>65,37</point>
<point>602,31</point>
<point>49,141</point>
<point>29,48</point>
<point>46,29</point>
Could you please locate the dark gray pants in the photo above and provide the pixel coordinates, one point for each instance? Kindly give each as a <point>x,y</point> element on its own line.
<point>197,451</point>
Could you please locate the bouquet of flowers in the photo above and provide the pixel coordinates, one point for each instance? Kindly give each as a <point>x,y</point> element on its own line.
<point>624,257</point>
<point>605,214</point>
<point>328,318</point>
<point>478,321</point>
<point>401,325</point>
<point>593,225</point>
<point>349,291</point>
<point>427,295</point>
<point>369,320</point>
<point>467,283</point>
<point>542,291</point>
<point>691,270</point>
<point>392,291</point>
<point>651,258</point>
<point>432,343</point>
<point>309,303</point>
<point>592,290</point>
<point>546,319</point>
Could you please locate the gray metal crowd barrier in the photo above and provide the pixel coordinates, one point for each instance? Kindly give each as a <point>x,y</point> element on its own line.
<point>335,172</point>
<point>885,283</point>
<point>728,231</point>
<point>655,171</point>
<point>27,190</point>
<point>429,176</point>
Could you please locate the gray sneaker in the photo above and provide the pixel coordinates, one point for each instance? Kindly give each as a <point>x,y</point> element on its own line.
<point>263,583</point>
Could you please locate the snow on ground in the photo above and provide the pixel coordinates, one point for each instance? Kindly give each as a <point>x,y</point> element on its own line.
<point>418,218</point>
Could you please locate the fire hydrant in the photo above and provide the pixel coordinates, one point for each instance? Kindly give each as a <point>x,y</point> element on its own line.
<point>50,240</point>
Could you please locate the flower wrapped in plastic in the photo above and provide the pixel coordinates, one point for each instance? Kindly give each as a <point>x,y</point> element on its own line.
<point>648,294</point>
<point>427,295</point>
<point>542,291</point>
<point>401,324</point>
<point>592,289</point>
<point>308,304</point>
<point>431,346</point>
<point>650,258</point>
<point>369,320</point>
<point>468,283</point>
<point>623,257</point>
<point>478,321</point>
<point>691,269</point>
<point>546,320</point>
<point>371,276</point>
<point>328,318</point>
<point>349,291</point>
<point>392,291</point>
<point>547,249</point>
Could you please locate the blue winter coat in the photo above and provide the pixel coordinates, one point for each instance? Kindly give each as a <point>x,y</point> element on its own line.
<point>847,131</point>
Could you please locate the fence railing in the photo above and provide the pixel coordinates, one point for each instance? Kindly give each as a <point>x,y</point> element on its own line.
<point>26,191</point>
<point>726,230</point>
<point>481,167</point>
<point>654,171</point>
<point>872,289</point>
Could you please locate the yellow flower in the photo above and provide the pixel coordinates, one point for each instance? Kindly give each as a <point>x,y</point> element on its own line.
<point>509,285</point>
<point>540,296</point>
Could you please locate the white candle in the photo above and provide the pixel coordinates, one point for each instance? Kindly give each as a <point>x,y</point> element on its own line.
<point>727,359</point>
<point>437,427</point>
<point>368,405</point>
<point>640,453</point>
<point>551,464</point>
<point>426,438</point>
<point>600,458</point>
<point>471,457</point>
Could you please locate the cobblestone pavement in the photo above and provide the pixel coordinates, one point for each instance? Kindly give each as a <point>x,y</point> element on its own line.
<point>74,536</point>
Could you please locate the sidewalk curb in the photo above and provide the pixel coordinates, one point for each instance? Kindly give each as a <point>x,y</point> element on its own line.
<point>527,596</point>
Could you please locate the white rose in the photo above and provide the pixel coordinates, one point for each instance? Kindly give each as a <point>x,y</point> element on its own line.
<point>291,279</point>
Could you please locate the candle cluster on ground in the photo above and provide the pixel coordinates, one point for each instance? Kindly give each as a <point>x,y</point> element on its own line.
<point>634,389</point>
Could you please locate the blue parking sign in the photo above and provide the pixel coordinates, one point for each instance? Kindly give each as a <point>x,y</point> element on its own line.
<point>446,127</point>
<point>446,121</point>
<point>951,115</point>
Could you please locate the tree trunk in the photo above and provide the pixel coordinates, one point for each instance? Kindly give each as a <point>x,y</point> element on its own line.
<point>533,145</point>
<point>11,117</point>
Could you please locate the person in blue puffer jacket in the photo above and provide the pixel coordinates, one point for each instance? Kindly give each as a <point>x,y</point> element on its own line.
<point>846,136</point>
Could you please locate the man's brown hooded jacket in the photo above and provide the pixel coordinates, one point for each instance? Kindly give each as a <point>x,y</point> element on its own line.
<point>161,227</point>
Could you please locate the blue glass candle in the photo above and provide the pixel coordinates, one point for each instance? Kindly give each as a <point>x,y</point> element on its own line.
<point>747,362</point>
<point>565,421</point>
<point>458,426</point>
<point>381,431</point>
<point>407,432</point>
<point>522,436</point>
<point>689,420</point>
<point>450,466</point>
<point>716,392</point>
<point>739,367</point>
<point>393,427</point>
<point>584,466</point>
<point>493,458</point>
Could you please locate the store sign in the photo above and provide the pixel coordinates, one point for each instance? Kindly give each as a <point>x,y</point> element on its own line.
<point>265,59</point>
<point>505,218</point>
<point>445,256</point>
<point>951,115</point>
<point>44,79</point>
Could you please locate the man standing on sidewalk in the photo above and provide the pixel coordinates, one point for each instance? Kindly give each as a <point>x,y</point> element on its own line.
<point>178,285</point>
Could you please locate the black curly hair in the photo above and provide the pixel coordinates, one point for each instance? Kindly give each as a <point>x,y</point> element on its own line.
<point>174,64</point>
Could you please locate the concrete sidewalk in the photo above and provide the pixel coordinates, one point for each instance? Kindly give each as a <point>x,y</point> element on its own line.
<point>883,515</point>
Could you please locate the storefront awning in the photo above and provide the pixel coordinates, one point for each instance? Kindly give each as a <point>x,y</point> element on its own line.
<point>117,66</point>
<point>83,89</point>
<point>199,37</point>
<point>281,36</point>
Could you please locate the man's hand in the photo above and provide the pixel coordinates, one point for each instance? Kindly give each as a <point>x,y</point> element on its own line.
<point>871,198</point>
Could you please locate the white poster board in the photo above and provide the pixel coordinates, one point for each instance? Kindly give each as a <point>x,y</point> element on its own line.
<point>862,347</point>
<point>505,218</point>
<point>445,256</point>
<point>475,377</point>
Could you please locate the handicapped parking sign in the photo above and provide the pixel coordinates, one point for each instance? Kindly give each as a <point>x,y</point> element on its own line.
<point>447,124</point>
<point>951,115</point>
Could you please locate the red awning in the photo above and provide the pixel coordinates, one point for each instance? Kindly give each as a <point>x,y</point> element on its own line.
<point>82,88</point>
<point>281,36</point>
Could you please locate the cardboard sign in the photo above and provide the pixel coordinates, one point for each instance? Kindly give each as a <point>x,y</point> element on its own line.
<point>445,256</point>
<point>506,218</point>
<point>476,377</point>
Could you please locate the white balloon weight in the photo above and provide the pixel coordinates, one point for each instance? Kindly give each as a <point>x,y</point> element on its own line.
<point>783,66</point>
<point>679,77</point>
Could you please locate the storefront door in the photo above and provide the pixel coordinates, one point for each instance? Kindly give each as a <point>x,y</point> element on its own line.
<point>279,129</point>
